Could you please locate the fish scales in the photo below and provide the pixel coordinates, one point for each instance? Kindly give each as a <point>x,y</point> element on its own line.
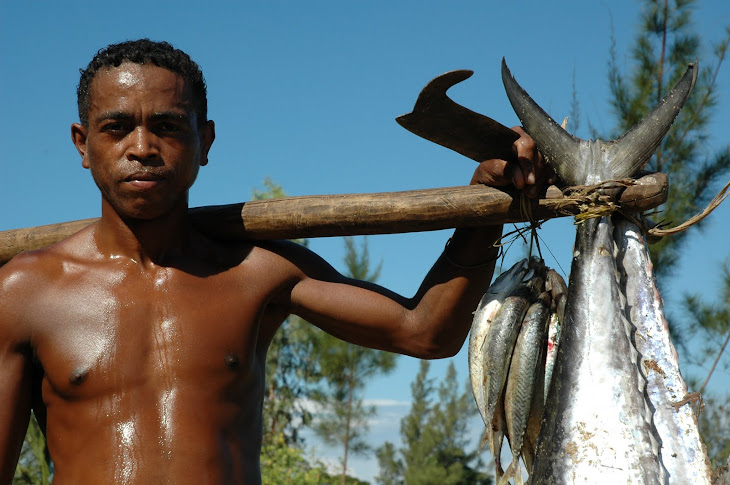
<point>597,417</point>
<point>522,378</point>
<point>682,450</point>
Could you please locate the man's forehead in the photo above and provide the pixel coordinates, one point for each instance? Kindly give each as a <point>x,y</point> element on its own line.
<point>131,82</point>
<point>129,76</point>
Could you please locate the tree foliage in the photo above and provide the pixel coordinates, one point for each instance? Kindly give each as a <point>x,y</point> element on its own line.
<point>343,420</point>
<point>435,434</point>
<point>710,327</point>
<point>292,375</point>
<point>283,463</point>
<point>34,466</point>
<point>665,45</point>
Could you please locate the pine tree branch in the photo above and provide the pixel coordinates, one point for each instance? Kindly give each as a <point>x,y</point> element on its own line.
<point>717,359</point>
<point>722,50</point>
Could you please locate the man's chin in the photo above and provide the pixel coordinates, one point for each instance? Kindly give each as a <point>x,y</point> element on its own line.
<point>145,212</point>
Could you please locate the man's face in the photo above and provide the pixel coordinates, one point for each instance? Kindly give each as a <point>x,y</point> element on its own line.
<point>143,144</point>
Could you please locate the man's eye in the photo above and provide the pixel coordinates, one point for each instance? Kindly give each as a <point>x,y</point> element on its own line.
<point>168,128</point>
<point>113,127</point>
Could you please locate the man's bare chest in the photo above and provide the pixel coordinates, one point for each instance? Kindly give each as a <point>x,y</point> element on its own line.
<point>100,333</point>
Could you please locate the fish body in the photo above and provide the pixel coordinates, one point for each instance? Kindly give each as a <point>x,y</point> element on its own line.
<point>682,452</point>
<point>487,309</point>
<point>559,295</point>
<point>597,423</point>
<point>498,346</point>
<point>523,379</point>
<point>551,351</point>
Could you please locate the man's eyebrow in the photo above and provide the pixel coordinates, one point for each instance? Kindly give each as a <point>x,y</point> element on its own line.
<point>171,115</point>
<point>113,115</point>
<point>162,115</point>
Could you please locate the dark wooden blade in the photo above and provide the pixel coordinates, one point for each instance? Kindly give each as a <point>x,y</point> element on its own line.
<point>437,118</point>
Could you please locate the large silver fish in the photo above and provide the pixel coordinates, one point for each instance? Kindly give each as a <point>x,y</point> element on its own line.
<point>597,422</point>
<point>683,454</point>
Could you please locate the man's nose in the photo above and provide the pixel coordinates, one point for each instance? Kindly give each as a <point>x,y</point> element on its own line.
<point>143,145</point>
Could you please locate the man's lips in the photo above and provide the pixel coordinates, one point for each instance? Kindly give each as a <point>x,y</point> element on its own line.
<point>145,180</point>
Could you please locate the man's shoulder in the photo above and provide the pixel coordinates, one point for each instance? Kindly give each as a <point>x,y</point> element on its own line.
<point>33,268</point>
<point>295,257</point>
<point>24,282</point>
<point>278,260</point>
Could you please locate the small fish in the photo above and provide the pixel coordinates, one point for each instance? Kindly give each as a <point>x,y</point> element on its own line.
<point>522,380</point>
<point>682,452</point>
<point>498,346</point>
<point>534,422</point>
<point>559,294</point>
<point>551,351</point>
<point>483,316</point>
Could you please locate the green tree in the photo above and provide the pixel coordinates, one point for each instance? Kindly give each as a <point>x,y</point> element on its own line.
<point>434,434</point>
<point>282,463</point>
<point>710,326</point>
<point>34,466</point>
<point>391,468</point>
<point>292,375</point>
<point>347,367</point>
<point>662,50</point>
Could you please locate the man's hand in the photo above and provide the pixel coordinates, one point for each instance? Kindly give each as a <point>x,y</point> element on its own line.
<point>529,172</point>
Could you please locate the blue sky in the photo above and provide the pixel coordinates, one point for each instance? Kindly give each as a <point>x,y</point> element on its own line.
<point>307,92</point>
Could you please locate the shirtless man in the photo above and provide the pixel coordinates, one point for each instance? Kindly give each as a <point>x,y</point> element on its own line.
<point>140,343</point>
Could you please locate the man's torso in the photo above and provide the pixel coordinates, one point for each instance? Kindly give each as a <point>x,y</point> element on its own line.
<point>155,373</point>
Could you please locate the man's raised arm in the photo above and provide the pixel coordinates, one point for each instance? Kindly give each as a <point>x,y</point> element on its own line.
<point>435,322</point>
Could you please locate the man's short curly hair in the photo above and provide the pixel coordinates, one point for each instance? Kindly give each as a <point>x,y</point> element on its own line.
<point>143,51</point>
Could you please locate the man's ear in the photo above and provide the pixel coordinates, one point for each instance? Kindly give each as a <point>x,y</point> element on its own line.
<point>78,136</point>
<point>207,136</point>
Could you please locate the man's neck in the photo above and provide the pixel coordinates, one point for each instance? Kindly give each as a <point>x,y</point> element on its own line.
<point>144,241</point>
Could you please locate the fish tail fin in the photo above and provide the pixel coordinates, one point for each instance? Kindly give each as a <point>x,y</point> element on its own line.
<point>582,162</point>
<point>513,472</point>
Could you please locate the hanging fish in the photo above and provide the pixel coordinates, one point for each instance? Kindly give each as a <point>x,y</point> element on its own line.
<point>523,380</point>
<point>487,310</point>
<point>682,452</point>
<point>597,425</point>
<point>559,295</point>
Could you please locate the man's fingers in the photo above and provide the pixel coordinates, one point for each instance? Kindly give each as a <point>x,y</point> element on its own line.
<point>518,178</point>
<point>529,162</point>
<point>493,172</point>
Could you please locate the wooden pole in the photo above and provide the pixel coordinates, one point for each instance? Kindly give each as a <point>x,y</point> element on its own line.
<point>359,214</point>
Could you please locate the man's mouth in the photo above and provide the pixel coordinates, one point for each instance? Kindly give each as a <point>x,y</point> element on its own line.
<point>144,180</point>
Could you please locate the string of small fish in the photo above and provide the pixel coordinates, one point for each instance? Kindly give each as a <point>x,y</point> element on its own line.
<point>512,347</point>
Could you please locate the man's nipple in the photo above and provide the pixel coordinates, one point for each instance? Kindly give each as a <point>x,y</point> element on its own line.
<point>78,376</point>
<point>232,361</point>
